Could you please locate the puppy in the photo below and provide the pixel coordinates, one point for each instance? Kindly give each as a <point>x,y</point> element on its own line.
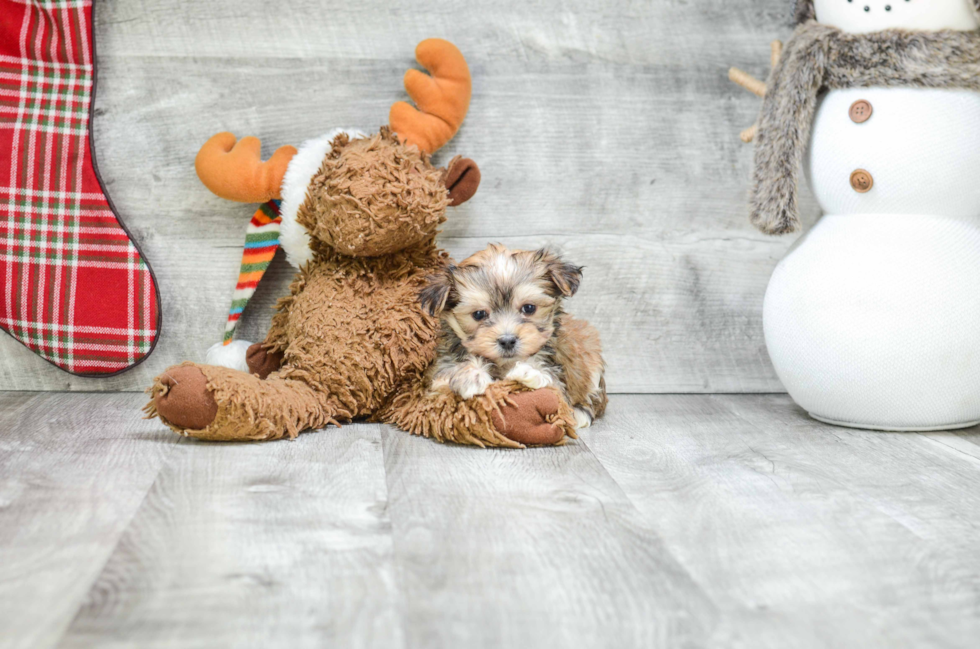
<point>502,318</point>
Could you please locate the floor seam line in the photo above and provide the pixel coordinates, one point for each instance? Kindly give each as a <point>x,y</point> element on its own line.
<point>396,564</point>
<point>136,510</point>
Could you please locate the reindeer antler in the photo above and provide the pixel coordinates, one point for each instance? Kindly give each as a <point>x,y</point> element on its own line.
<point>442,98</point>
<point>755,86</point>
<point>234,170</point>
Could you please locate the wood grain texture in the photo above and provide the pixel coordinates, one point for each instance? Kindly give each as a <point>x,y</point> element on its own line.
<point>530,549</point>
<point>607,127</point>
<point>678,520</point>
<point>803,534</point>
<point>74,469</point>
<point>262,545</point>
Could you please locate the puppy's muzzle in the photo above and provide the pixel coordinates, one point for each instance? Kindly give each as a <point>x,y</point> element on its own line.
<point>507,343</point>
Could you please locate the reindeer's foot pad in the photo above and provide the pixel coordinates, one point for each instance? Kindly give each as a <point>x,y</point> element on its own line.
<point>261,361</point>
<point>183,400</point>
<point>531,418</point>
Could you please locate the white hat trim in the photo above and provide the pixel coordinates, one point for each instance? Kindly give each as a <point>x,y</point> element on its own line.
<point>293,237</point>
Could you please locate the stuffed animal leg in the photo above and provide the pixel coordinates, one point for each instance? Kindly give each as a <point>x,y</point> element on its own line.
<point>506,415</point>
<point>221,404</point>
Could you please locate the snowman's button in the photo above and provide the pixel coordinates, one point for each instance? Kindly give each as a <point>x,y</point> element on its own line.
<point>861,111</point>
<point>861,181</point>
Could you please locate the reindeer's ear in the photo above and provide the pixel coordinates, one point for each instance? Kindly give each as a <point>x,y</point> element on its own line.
<point>462,179</point>
<point>563,276</point>
<point>437,296</point>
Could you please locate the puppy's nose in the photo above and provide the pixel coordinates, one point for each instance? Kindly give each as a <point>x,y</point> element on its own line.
<point>507,342</point>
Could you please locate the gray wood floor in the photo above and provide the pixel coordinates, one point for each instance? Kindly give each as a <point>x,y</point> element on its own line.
<point>694,521</point>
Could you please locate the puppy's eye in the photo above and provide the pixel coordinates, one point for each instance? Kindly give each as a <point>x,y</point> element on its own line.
<point>479,315</point>
<point>528,309</point>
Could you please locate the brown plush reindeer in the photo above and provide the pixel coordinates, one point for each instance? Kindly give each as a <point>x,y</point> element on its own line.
<point>351,341</point>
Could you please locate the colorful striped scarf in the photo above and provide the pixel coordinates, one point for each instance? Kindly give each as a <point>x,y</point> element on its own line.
<point>261,242</point>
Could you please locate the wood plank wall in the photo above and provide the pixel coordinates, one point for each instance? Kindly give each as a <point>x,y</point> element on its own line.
<point>606,127</point>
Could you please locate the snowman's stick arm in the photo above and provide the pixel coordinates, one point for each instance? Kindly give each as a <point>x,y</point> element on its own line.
<point>776,53</point>
<point>753,85</point>
<point>747,81</point>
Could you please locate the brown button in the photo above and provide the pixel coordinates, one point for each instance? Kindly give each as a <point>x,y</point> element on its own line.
<point>861,111</point>
<point>861,181</point>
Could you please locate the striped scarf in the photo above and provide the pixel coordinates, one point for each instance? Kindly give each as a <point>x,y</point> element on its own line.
<point>261,242</point>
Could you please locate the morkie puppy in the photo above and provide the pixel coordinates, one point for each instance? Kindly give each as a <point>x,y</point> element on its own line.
<point>502,319</point>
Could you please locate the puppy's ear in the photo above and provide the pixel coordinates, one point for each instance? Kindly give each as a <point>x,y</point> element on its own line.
<point>462,179</point>
<point>438,294</point>
<point>563,276</point>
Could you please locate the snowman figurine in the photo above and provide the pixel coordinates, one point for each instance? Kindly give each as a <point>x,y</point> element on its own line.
<point>872,320</point>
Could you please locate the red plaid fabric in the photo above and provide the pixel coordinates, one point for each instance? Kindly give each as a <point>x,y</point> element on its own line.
<point>73,286</point>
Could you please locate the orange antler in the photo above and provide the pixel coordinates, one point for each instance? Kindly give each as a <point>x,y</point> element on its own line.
<point>234,170</point>
<point>442,98</point>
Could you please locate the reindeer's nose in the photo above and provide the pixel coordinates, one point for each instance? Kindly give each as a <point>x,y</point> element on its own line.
<point>507,342</point>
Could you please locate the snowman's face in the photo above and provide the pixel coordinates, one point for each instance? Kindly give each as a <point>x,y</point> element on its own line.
<point>864,16</point>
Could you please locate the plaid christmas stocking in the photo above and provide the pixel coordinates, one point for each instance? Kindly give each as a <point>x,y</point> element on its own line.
<point>74,287</point>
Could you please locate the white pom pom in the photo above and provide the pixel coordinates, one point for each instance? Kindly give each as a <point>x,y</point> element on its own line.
<point>231,355</point>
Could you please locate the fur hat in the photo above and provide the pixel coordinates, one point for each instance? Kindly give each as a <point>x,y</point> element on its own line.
<point>803,11</point>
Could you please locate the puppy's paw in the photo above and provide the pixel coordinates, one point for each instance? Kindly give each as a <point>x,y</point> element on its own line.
<point>475,388</point>
<point>471,382</point>
<point>528,376</point>
<point>583,418</point>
